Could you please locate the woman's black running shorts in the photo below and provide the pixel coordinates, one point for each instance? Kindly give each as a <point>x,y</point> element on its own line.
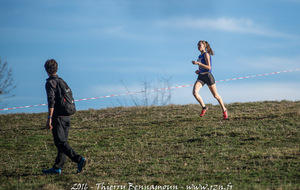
<point>206,78</point>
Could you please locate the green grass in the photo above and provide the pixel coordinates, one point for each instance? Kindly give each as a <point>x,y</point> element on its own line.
<point>258,148</point>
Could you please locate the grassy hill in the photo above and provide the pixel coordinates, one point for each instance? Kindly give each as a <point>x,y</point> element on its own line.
<point>258,148</point>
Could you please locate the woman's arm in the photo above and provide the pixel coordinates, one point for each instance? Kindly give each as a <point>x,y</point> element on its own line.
<point>207,59</point>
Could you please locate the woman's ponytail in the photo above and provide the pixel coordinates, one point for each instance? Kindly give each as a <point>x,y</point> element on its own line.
<point>209,50</point>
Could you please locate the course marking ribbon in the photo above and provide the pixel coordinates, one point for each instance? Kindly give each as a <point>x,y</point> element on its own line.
<point>169,88</point>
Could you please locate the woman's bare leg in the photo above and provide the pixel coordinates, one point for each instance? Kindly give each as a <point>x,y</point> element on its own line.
<point>213,89</point>
<point>196,89</point>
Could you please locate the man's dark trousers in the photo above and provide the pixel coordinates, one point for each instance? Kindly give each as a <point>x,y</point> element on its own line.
<point>60,131</point>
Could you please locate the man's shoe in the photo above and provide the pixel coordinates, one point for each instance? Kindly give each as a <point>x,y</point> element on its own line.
<point>52,171</point>
<point>81,165</point>
<point>203,112</point>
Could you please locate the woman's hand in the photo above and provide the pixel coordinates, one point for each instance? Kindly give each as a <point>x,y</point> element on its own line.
<point>195,63</point>
<point>197,72</point>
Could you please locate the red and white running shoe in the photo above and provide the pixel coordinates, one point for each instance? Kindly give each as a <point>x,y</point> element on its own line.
<point>203,112</point>
<point>225,115</point>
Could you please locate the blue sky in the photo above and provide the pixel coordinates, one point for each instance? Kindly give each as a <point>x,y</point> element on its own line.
<point>100,45</point>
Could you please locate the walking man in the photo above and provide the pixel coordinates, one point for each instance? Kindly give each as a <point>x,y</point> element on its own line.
<point>57,123</point>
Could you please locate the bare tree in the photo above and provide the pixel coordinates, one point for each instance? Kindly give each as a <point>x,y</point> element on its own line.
<point>164,96</point>
<point>154,92</point>
<point>132,98</point>
<point>6,80</point>
<point>146,85</point>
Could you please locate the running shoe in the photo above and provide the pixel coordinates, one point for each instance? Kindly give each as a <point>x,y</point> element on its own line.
<point>203,112</point>
<point>81,165</point>
<point>52,171</point>
<point>225,115</point>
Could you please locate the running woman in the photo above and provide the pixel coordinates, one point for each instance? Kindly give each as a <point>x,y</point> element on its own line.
<point>205,77</point>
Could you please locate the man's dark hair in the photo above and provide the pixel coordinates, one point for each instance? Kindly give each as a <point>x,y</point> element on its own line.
<point>51,66</point>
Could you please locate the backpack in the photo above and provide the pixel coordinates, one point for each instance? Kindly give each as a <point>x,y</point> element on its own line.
<point>66,100</point>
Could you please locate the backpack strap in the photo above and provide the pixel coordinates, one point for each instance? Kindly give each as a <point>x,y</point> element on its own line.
<point>62,85</point>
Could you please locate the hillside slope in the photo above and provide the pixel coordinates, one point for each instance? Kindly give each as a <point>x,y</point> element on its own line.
<point>258,148</point>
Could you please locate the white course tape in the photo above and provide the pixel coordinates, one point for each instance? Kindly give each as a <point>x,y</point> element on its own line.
<point>169,88</point>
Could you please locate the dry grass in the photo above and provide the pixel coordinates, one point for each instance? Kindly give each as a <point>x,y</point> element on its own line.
<point>258,148</point>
